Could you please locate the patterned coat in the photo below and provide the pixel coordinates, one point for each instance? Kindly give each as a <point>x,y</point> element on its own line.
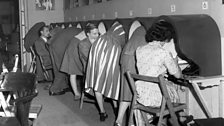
<point>103,70</point>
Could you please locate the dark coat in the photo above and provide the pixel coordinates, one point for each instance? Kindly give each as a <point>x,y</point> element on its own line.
<point>43,53</point>
<point>43,58</point>
<point>58,45</point>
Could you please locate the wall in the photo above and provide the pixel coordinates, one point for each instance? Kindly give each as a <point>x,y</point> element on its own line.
<point>140,8</point>
<point>48,17</point>
<point>5,8</point>
<point>144,8</point>
<point>6,16</point>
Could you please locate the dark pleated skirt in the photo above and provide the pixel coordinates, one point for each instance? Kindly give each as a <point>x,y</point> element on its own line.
<point>127,64</point>
<point>71,63</point>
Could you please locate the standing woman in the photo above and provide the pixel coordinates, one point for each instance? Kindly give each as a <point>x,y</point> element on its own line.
<point>84,46</point>
<point>103,70</point>
<point>128,63</point>
<point>74,61</point>
<point>92,33</point>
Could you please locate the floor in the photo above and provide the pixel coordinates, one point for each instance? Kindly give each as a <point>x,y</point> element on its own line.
<point>62,110</point>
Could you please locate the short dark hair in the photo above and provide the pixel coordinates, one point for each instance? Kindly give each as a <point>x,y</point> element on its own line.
<point>159,31</point>
<point>42,28</point>
<point>89,27</point>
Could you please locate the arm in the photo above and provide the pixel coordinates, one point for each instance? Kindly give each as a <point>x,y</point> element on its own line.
<point>172,66</point>
<point>84,51</point>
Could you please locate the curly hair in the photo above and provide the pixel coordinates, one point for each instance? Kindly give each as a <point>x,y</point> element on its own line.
<point>159,31</point>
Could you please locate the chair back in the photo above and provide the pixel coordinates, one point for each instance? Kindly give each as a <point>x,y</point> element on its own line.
<point>131,77</point>
<point>23,87</point>
<point>32,68</point>
<point>44,68</point>
<point>166,108</point>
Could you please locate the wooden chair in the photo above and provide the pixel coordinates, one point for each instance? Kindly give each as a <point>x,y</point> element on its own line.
<point>44,68</point>
<point>83,93</point>
<point>32,68</point>
<point>167,108</point>
<point>22,87</point>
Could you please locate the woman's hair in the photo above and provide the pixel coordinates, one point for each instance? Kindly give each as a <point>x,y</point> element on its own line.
<point>159,31</point>
<point>89,27</point>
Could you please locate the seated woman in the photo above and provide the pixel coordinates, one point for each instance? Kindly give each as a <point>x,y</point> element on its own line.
<point>153,60</point>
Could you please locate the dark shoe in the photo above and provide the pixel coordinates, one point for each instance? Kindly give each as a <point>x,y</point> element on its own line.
<point>47,87</point>
<point>103,116</point>
<point>68,89</point>
<point>44,81</point>
<point>51,93</point>
<point>188,119</point>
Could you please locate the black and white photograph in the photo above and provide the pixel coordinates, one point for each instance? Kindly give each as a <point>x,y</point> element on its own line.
<point>111,63</point>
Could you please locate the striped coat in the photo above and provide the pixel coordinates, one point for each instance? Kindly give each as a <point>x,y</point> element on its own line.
<point>103,70</point>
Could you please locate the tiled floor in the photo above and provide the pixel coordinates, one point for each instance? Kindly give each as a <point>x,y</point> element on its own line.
<point>64,111</point>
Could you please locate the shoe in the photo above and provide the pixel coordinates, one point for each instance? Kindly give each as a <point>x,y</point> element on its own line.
<point>47,87</point>
<point>68,89</point>
<point>103,116</point>
<point>77,97</point>
<point>44,81</point>
<point>187,120</point>
<point>51,93</point>
<point>117,124</point>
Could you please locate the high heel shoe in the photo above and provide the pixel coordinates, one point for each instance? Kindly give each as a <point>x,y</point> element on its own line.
<point>117,124</point>
<point>103,116</point>
<point>51,93</point>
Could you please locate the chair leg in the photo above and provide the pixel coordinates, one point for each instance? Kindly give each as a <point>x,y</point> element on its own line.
<point>172,113</point>
<point>169,105</point>
<point>145,118</point>
<point>32,68</point>
<point>174,119</point>
<point>162,112</point>
<point>81,100</point>
<point>131,113</point>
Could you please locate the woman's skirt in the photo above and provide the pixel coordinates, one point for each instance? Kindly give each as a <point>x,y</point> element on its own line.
<point>127,64</point>
<point>71,63</point>
<point>103,70</point>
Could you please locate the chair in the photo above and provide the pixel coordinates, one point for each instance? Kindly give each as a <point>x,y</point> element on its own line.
<point>83,94</point>
<point>44,68</point>
<point>46,74</point>
<point>15,67</point>
<point>22,87</point>
<point>32,68</point>
<point>167,108</point>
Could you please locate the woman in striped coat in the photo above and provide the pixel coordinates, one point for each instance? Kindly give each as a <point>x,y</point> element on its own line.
<point>103,70</point>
